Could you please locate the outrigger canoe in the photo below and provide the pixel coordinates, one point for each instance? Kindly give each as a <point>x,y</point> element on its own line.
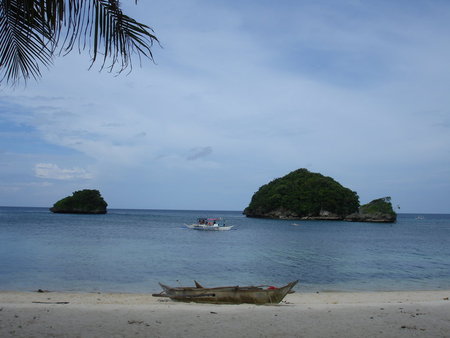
<point>227,294</point>
<point>210,224</point>
<point>214,227</point>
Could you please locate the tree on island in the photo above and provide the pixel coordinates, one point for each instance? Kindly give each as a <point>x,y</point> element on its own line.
<point>81,202</point>
<point>33,32</point>
<point>303,194</point>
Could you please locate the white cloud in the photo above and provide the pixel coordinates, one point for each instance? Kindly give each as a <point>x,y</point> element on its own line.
<point>53,171</point>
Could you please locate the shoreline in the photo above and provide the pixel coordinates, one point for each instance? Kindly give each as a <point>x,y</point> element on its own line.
<point>323,314</point>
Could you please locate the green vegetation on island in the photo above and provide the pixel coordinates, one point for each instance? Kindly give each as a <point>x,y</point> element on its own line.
<point>379,210</point>
<point>81,202</point>
<point>302,194</point>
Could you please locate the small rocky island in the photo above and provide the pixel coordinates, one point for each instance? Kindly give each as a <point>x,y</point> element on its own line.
<point>85,201</point>
<point>379,210</point>
<point>302,194</point>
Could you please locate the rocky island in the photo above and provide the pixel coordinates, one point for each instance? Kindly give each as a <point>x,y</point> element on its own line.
<point>302,194</point>
<point>81,202</point>
<point>379,211</point>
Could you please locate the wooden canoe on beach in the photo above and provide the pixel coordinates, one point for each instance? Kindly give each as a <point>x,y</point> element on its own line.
<point>227,294</point>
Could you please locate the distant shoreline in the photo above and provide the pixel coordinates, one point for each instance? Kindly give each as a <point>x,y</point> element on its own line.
<point>205,210</point>
<point>325,314</point>
<point>201,211</point>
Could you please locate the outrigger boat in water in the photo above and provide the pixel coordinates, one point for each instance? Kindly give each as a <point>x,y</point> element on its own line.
<point>210,224</point>
<point>227,294</point>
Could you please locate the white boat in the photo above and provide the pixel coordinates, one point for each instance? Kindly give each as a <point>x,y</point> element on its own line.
<point>210,224</point>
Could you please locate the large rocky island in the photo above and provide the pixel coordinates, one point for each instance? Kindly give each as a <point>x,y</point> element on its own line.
<point>302,194</point>
<point>81,202</point>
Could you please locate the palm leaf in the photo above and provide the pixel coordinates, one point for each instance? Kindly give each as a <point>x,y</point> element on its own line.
<point>32,31</point>
<point>24,42</point>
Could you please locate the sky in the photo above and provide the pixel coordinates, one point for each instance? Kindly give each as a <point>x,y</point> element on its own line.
<point>241,93</point>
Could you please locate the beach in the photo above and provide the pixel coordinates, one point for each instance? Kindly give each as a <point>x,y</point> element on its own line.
<point>324,314</point>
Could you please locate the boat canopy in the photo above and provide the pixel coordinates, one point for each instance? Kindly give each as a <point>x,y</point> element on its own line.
<point>210,220</point>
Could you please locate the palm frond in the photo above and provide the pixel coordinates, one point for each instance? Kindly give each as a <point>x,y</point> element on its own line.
<point>25,42</point>
<point>31,33</point>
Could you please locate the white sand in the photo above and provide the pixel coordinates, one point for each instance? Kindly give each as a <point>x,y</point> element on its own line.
<point>374,314</point>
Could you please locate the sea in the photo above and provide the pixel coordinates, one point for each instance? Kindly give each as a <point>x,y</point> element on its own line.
<point>132,250</point>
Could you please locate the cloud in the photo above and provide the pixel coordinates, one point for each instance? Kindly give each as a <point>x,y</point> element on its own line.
<point>199,152</point>
<point>52,171</point>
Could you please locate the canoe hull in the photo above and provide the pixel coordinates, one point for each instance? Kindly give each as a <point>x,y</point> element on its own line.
<point>228,295</point>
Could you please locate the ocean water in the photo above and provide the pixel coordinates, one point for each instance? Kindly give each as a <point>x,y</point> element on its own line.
<point>133,250</point>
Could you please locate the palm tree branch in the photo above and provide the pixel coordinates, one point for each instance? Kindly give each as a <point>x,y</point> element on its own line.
<point>31,30</point>
<point>129,37</point>
<point>109,32</point>
<point>24,41</point>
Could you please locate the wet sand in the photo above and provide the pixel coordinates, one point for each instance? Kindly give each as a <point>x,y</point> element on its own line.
<point>327,314</point>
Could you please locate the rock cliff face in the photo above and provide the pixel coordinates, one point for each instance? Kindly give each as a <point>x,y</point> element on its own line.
<point>282,213</point>
<point>374,218</point>
<point>279,213</point>
<point>81,202</point>
<point>324,216</point>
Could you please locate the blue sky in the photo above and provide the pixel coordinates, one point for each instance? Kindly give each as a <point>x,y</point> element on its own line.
<point>241,93</point>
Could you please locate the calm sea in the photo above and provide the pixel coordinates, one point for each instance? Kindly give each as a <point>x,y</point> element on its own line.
<point>133,250</point>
